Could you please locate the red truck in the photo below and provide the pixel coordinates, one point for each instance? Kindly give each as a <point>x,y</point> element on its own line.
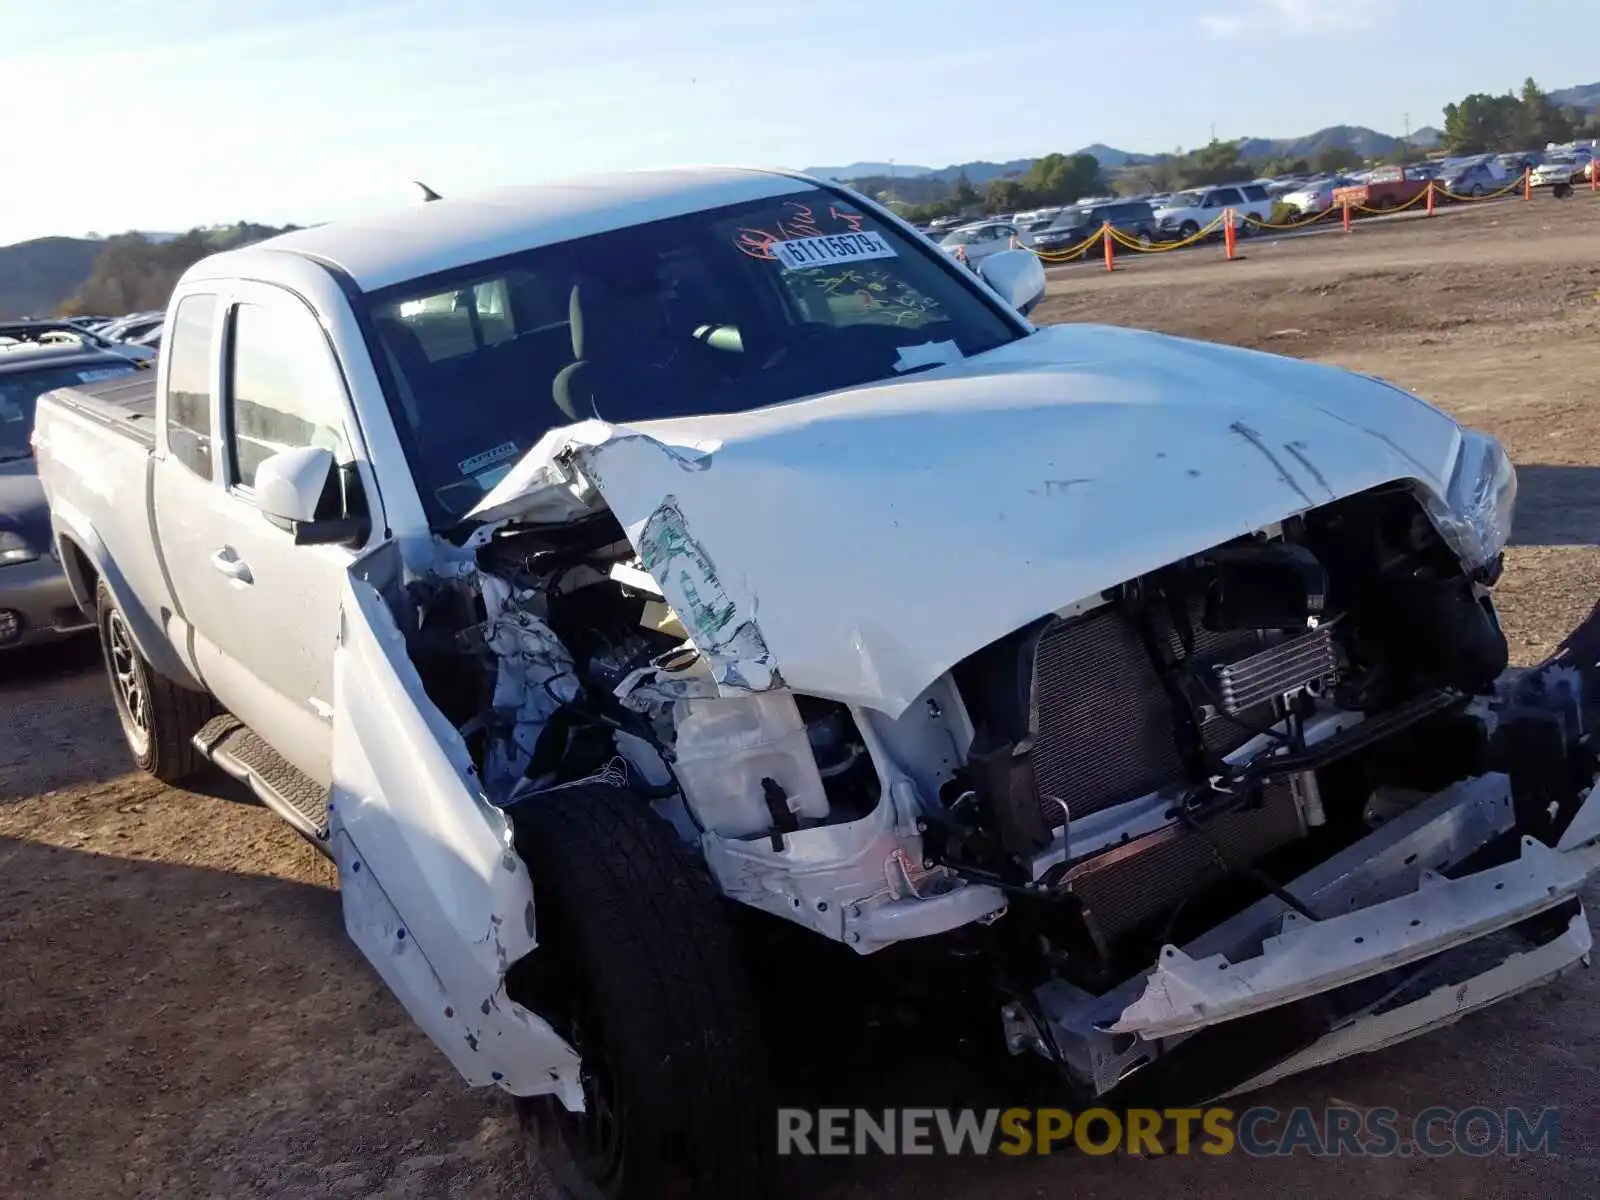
<point>1385,188</point>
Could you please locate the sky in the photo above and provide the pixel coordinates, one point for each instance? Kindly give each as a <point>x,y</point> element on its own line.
<point>175,113</point>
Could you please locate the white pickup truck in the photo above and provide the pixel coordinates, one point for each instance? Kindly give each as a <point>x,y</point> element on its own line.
<point>579,565</point>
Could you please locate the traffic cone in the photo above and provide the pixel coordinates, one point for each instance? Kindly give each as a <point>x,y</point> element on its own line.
<point>1527,183</point>
<point>1346,207</point>
<point>1229,237</point>
<point>1430,197</point>
<point>1111,254</point>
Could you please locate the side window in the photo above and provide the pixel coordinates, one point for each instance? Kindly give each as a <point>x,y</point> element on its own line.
<point>189,383</point>
<point>1222,196</point>
<point>1255,193</point>
<point>283,389</point>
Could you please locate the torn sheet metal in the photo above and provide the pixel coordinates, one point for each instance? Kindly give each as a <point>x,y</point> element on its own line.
<point>1309,957</point>
<point>433,891</point>
<point>534,678</point>
<point>871,538</point>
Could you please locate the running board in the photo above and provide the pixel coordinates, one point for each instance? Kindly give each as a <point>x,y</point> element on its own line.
<point>277,783</point>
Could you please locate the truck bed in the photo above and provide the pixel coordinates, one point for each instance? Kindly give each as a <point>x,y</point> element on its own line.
<point>126,404</point>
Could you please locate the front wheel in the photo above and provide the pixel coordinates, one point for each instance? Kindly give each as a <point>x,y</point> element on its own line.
<point>651,992</point>
<point>1187,230</point>
<point>158,718</point>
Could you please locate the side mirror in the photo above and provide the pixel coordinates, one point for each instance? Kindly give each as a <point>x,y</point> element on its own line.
<point>295,487</point>
<point>1017,275</point>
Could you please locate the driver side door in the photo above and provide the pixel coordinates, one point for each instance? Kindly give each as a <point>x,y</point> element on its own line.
<point>265,610</point>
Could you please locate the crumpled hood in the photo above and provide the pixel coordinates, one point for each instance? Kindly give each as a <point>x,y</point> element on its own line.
<point>859,544</point>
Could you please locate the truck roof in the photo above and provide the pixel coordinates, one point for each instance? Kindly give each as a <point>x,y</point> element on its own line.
<point>438,235</point>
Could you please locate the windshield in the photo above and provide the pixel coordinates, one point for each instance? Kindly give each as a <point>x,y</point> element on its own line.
<point>717,311</point>
<point>20,392</point>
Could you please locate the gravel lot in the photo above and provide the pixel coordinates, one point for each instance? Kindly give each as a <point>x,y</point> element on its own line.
<point>181,1014</point>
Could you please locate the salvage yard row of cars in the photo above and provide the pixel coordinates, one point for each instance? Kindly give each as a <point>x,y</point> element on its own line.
<point>1169,217</point>
<point>610,577</point>
<point>36,603</point>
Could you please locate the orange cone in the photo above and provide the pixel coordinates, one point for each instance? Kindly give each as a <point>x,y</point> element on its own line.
<point>1527,184</point>
<point>1111,254</point>
<point>1229,237</point>
<point>1430,197</point>
<point>1346,207</point>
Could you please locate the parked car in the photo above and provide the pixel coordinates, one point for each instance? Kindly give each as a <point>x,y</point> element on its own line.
<point>1384,188</point>
<point>1135,218</point>
<point>983,238</point>
<point>36,603</point>
<point>1186,213</point>
<point>582,563</point>
<point>67,333</point>
<point>1559,172</point>
<point>1314,196</point>
<point>1473,179</point>
<point>131,328</point>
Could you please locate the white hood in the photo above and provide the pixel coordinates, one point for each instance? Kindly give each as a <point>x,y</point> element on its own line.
<point>859,544</point>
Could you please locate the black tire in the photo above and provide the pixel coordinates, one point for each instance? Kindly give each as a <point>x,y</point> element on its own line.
<point>1187,230</point>
<point>657,1001</point>
<point>158,717</point>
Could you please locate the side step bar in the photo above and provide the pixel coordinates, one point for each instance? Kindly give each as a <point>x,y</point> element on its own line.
<point>284,788</point>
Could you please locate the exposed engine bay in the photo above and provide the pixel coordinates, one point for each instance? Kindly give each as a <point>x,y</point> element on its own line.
<point>1111,780</point>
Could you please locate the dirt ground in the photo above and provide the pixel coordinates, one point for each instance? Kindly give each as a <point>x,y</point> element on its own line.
<point>182,1015</point>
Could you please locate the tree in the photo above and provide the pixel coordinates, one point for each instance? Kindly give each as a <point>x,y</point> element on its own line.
<point>1003,195</point>
<point>1059,179</point>
<point>964,193</point>
<point>1334,160</point>
<point>131,272</point>
<point>1539,122</point>
<point>1282,164</point>
<point>1216,162</point>
<point>1478,124</point>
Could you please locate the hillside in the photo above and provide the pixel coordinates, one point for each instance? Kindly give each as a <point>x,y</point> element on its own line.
<point>1113,159</point>
<point>1585,96</point>
<point>36,276</point>
<point>132,272</point>
<point>920,184</point>
<point>1368,143</point>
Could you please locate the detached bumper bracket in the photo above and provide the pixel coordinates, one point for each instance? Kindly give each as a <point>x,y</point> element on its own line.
<point>1184,994</point>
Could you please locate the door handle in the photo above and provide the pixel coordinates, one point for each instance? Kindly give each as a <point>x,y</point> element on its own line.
<point>231,565</point>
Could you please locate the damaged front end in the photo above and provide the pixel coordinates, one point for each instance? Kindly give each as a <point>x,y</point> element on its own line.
<point>1252,809</point>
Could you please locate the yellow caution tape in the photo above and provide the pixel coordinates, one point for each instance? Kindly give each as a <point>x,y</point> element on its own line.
<point>1510,187</point>
<point>1124,240</point>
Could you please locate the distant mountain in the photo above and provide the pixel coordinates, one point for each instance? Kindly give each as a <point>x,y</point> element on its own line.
<point>1585,96</point>
<point>861,170</point>
<point>36,276</point>
<point>980,173</point>
<point>1113,159</point>
<point>1427,138</point>
<point>1368,143</point>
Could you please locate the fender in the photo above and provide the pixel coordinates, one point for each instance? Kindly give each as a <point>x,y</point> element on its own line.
<point>75,532</point>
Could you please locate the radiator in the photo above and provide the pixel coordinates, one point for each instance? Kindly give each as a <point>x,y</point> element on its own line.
<point>1123,891</point>
<point>1101,722</point>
